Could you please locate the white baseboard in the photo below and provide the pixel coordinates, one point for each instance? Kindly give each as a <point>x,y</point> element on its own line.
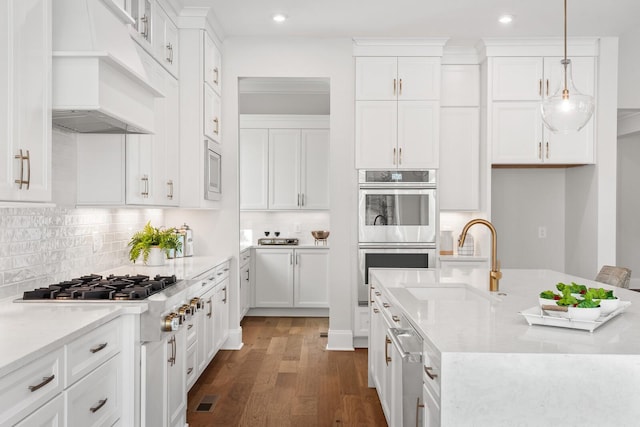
<point>340,340</point>
<point>234,341</point>
<point>361,342</point>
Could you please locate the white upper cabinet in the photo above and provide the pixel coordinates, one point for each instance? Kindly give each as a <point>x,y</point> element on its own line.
<point>284,162</point>
<point>518,135</point>
<point>212,108</point>
<point>25,100</point>
<point>397,112</point>
<point>403,78</point>
<point>212,64</point>
<point>165,40</point>
<point>254,168</point>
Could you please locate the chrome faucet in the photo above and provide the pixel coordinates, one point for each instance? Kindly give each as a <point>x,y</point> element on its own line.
<point>495,274</point>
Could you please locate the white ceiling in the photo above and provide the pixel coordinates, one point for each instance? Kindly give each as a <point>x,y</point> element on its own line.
<point>458,19</point>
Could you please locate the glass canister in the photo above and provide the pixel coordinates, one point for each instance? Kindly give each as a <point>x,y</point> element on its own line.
<point>446,242</point>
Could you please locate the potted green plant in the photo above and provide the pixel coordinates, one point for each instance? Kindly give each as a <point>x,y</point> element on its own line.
<point>153,244</point>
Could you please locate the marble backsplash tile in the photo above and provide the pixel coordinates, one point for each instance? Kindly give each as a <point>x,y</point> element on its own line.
<point>39,246</point>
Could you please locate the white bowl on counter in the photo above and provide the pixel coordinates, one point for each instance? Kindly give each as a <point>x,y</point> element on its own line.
<point>587,314</point>
<point>609,305</point>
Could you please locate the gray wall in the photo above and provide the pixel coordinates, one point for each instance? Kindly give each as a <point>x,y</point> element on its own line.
<point>523,200</point>
<point>628,233</point>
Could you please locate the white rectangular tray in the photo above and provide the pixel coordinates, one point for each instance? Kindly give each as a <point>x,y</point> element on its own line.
<point>536,316</point>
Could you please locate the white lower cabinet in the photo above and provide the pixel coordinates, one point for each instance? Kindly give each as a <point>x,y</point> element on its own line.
<point>245,281</point>
<point>79,384</point>
<point>221,314</point>
<point>164,391</point>
<point>96,399</point>
<point>50,415</point>
<point>431,414</point>
<point>291,278</point>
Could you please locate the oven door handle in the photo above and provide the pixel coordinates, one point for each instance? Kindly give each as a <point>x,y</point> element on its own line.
<point>410,246</point>
<point>411,355</point>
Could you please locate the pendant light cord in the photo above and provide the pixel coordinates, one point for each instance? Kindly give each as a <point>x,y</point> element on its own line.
<point>565,45</point>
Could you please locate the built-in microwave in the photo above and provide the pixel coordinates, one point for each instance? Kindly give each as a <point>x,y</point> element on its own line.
<point>212,171</point>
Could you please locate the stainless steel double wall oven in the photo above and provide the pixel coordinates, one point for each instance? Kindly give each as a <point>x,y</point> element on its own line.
<point>397,222</point>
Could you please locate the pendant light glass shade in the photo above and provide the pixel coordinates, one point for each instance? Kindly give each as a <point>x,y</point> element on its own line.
<point>567,110</point>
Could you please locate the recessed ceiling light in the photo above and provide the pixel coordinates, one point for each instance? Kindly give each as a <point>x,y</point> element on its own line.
<point>279,17</point>
<point>505,19</point>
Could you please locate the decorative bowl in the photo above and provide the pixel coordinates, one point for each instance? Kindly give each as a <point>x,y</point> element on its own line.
<point>589,314</point>
<point>320,234</point>
<point>609,305</point>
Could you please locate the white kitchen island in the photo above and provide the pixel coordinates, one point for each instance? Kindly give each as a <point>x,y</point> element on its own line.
<point>493,369</point>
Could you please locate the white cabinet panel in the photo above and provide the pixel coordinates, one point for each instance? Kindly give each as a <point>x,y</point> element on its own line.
<point>95,400</point>
<point>212,108</point>
<point>418,78</point>
<point>254,170</point>
<point>154,391</point>
<point>376,134</point>
<point>375,77</point>
<point>140,175</point>
<point>25,100</point>
<point>221,313</point>
<point>176,366</point>
<point>212,64</point>
<point>284,168</point>
<point>311,278</point>
<point>273,286</point>
<point>50,415</point>
<point>459,173</point>
<point>314,169</point>
<point>517,78</point>
<point>418,129</point>
<point>584,76</point>
<point>460,86</point>
<point>517,133</point>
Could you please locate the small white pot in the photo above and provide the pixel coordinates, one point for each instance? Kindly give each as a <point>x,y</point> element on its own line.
<point>156,257</point>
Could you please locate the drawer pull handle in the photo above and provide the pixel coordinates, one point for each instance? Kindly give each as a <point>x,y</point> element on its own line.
<point>395,318</point>
<point>189,371</point>
<point>189,326</point>
<point>427,370</point>
<point>45,381</point>
<point>387,341</point>
<point>98,348</point>
<point>385,305</point>
<point>378,293</point>
<point>100,404</point>
<point>375,310</point>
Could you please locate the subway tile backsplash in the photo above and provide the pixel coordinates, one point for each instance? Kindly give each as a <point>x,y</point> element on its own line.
<point>39,246</point>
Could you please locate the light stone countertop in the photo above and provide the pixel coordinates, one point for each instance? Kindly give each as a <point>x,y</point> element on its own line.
<point>489,322</point>
<point>29,330</point>
<point>494,370</point>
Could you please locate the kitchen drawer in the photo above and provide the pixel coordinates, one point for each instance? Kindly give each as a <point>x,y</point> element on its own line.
<point>222,271</point>
<point>50,415</point>
<point>95,399</point>
<point>192,330</point>
<point>390,311</point>
<point>431,369</point>
<point>192,365</point>
<point>245,257</point>
<point>26,389</point>
<point>92,349</point>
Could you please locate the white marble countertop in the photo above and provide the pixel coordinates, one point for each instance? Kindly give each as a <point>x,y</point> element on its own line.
<point>320,246</point>
<point>490,322</point>
<point>29,330</point>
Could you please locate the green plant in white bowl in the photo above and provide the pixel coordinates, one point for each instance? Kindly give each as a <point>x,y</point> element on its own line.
<point>149,238</point>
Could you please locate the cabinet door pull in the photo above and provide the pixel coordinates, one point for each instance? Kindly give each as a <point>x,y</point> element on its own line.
<point>302,204</point>
<point>297,259</point>
<point>427,370</point>
<point>210,308</point>
<point>217,123</point>
<point>547,87</point>
<point>170,187</point>
<point>394,156</point>
<point>547,149</point>
<point>395,318</point>
<point>394,87</point>
<point>290,259</point>
<point>375,310</point>
<point>45,381</point>
<point>418,406</point>
<point>189,326</point>
<point>98,348</point>
<point>385,305</point>
<point>22,158</point>
<point>145,31</point>
<point>99,405</point>
<point>168,50</point>
<point>298,199</point>
<point>540,87</point>
<point>215,73</point>
<point>400,88</point>
<point>540,150</point>
<point>377,293</point>
<point>387,341</point>
<point>224,300</point>
<point>28,159</point>
<point>400,156</point>
<point>189,371</point>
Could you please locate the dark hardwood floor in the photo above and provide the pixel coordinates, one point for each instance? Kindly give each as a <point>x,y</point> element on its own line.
<point>283,376</point>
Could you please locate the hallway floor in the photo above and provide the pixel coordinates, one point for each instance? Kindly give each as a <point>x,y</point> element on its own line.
<point>283,376</point>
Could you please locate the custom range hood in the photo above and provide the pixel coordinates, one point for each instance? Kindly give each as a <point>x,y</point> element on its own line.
<point>99,82</point>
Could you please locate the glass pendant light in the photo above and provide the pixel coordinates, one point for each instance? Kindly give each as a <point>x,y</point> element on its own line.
<point>567,110</point>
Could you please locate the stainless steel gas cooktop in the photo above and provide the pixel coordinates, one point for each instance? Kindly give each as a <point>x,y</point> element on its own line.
<point>278,241</point>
